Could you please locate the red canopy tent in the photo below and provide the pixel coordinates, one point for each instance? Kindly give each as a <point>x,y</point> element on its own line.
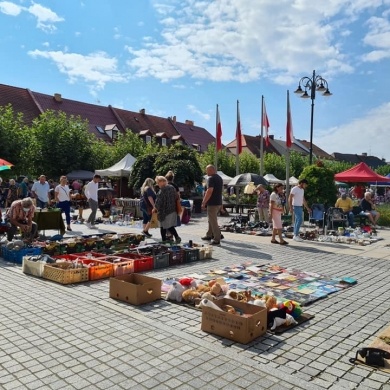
<point>360,173</point>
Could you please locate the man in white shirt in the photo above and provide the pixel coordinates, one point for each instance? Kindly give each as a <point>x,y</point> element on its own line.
<point>40,191</point>
<point>91,193</point>
<point>296,201</point>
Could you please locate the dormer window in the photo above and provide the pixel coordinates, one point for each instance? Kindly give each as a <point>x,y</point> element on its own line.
<point>148,139</point>
<point>197,147</point>
<point>112,131</point>
<point>100,129</point>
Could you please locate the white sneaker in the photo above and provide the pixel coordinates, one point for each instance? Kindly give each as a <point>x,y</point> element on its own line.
<point>297,238</point>
<point>88,224</point>
<point>93,227</point>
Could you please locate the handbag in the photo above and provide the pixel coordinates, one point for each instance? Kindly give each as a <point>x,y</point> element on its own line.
<point>154,221</point>
<point>179,209</point>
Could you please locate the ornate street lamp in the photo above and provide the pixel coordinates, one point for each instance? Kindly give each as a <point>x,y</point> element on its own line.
<point>307,88</point>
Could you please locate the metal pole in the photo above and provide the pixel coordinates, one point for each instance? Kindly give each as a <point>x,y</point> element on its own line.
<point>312,96</point>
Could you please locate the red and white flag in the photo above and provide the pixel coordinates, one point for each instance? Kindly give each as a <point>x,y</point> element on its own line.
<point>265,123</point>
<point>289,126</point>
<point>238,131</point>
<point>218,132</point>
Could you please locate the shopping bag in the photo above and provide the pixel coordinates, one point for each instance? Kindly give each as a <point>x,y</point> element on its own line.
<point>154,221</point>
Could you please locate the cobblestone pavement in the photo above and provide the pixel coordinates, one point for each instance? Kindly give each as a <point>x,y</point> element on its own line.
<point>76,337</point>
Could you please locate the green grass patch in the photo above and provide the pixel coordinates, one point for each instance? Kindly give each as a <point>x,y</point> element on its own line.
<point>384,210</point>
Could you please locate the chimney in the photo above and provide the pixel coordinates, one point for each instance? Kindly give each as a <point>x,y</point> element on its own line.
<point>142,111</point>
<point>189,123</point>
<point>364,154</point>
<point>174,119</point>
<point>58,97</point>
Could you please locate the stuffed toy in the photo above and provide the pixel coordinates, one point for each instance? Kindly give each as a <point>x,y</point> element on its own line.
<point>190,295</point>
<point>175,292</point>
<point>187,282</point>
<point>293,308</point>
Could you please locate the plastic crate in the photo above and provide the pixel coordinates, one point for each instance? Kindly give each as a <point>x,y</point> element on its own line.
<point>64,273</point>
<point>176,256</point>
<point>88,255</point>
<point>97,269</point>
<point>144,264</point>
<point>76,247</point>
<point>191,254</point>
<point>31,267</point>
<point>120,266</point>
<point>17,256</point>
<point>161,260</point>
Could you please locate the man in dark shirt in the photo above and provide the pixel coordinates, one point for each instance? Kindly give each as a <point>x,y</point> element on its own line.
<point>212,200</point>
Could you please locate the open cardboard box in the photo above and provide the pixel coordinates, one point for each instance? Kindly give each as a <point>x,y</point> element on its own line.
<point>241,328</point>
<point>136,289</point>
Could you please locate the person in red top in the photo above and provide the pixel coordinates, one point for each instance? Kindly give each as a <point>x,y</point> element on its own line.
<point>358,191</point>
<point>20,215</point>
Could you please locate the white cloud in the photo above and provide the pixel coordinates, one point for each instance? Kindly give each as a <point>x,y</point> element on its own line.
<point>368,134</point>
<point>96,69</point>
<point>46,18</point>
<point>9,8</point>
<point>231,40</point>
<point>195,110</point>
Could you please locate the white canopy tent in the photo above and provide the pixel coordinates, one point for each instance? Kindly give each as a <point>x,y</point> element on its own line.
<point>225,178</point>
<point>272,179</point>
<point>120,169</point>
<point>293,181</point>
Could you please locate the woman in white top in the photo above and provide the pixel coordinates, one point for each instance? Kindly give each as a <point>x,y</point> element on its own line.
<point>276,210</point>
<point>62,198</point>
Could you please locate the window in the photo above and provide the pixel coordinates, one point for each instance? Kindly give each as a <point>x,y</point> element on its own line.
<point>163,141</point>
<point>100,129</point>
<point>148,139</point>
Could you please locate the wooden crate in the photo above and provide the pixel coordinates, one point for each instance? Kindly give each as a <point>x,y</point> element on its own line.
<point>64,273</point>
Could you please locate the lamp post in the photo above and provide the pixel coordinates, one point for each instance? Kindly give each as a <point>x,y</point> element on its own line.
<point>311,85</point>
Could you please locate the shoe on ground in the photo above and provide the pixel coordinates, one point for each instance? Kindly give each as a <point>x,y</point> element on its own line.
<point>215,243</point>
<point>283,243</point>
<point>88,224</point>
<point>178,240</point>
<point>206,238</point>
<point>298,239</point>
<point>147,234</point>
<point>92,227</point>
<point>69,229</point>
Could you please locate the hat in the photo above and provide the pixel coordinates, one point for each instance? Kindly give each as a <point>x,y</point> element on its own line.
<point>343,196</point>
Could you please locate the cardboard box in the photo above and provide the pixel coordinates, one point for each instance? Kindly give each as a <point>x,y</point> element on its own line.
<point>136,289</point>
<point>240,328</point>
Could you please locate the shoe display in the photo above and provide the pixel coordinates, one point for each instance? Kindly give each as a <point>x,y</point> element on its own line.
<point>206,238</point>
<point>215,243</point>
<point>298,239</point>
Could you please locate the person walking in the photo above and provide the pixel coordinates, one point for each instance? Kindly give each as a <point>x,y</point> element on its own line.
<point>12,193</point>
<point>212,200</point>
<point>91,193</point>
<point>148,198</point>
<point>41,191</point>
<point>297,201</point>
<point>62,198</point>
<point>165,207</point>
<point>276,210</point>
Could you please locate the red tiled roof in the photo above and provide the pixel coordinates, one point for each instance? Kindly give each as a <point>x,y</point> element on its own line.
<point>96,115</point>
<point>136,122</point>
<point>21,100</point>
<point>195,135</point>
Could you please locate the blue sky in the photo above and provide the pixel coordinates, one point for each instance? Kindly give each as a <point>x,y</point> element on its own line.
<point>182,57</point>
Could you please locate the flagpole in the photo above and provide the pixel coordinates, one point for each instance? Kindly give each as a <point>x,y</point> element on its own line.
<point>288,131</point>
<point>238,142</point>
<point>216,140</point>
<point>261,138</point>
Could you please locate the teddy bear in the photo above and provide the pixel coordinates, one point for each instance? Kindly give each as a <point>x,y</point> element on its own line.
<point>175,292</point>
<point>190,295</point>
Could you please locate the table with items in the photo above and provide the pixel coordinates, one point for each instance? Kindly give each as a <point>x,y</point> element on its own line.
<point>49,219</point>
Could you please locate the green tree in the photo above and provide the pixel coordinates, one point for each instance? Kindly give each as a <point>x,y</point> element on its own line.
<point>226,161</point>
<point>15,141</point>
<point>249,163</point>
<point>275,165</point>
<point>142,169</point>
<point>183,161</point>
<point>61,144</point>
<point>321,187</point>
